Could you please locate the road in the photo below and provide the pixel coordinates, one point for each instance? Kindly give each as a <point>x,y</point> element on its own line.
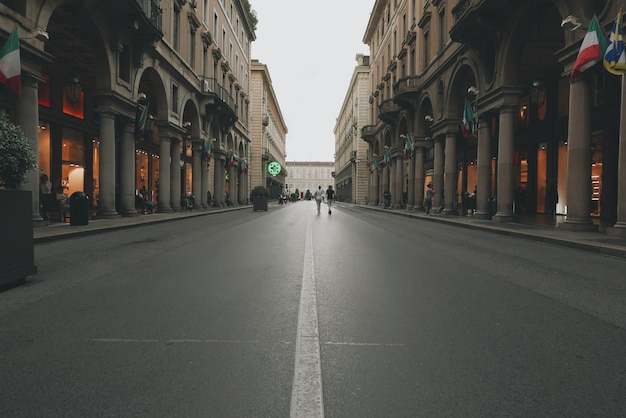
<point>289,313</point>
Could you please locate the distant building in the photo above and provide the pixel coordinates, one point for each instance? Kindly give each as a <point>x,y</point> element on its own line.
<point>308,175</point>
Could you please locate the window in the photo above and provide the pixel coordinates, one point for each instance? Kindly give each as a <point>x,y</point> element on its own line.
<point>192,47</point>
<point>174,98</point>
<point>176,30</point>
<point>442,29</point>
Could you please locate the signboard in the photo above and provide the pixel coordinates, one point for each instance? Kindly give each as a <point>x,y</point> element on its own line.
<point>274,168</point>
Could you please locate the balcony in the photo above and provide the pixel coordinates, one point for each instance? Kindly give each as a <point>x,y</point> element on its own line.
<point>368,133</point>
<point>406,91</point>
<point>218,101</point>
<point>474,18</point>
<point>143,17</point>
<point>388,110</point>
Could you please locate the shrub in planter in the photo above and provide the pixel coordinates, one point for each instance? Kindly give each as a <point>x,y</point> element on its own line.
<point>261,191</point>
<point>16,218</point>
<point>259,198</point>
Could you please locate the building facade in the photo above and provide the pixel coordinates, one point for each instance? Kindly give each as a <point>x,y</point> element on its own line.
<point>534,141</point>
<point>350,151</point>
<point>269,141</point>
<point>128,94</point>
<point>309,175</point>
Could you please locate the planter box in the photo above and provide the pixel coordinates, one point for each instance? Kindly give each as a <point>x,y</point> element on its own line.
<point>17,258</point>
<point>259,203</point>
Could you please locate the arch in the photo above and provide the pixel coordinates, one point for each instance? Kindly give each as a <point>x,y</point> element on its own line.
<point>151,84</point>
<point>191,115</point>
<point>462,78</point>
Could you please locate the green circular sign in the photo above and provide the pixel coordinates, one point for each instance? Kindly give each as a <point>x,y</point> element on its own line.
<point>274,168</point>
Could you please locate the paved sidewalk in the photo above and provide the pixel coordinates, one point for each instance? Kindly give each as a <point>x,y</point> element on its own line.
<point>598,242</point>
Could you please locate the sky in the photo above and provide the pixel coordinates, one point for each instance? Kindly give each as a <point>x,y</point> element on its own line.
<point>310,50</point>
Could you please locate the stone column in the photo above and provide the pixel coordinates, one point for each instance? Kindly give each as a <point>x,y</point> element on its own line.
<point>164,174</point>
<point>27,116</point>
<point>204,177</point>
<point>381,185</point>
<point>385,185</point>
<point>196,179</point>
<point>399,186</point>
<point>375,188</point>
<point>483,170</point>
<point>451,174</point>
<point>619,229</point>
<point>218,170</point>
<point>438,172</point>
<point>175,192</point>
<point>127,170</point>
<point>410,204</point>
<point>579,158</point>
<point>506,169</point>
<point>232,184</point>
<point>106,204</point>
<point>419,179</point>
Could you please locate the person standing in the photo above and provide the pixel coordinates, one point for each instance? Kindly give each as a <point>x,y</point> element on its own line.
<point>330,197</point>
<point>45,192</point>
<point>319,195</point>
<point>429,198</point>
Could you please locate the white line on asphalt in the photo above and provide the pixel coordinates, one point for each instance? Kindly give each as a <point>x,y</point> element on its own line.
<point>306,393</point>
<point>171,341</point>
<point>364,344</point>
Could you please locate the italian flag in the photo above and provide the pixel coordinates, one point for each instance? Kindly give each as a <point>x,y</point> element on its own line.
<point>468,120</point>
<point>10,69</point>
<point>591,50</point>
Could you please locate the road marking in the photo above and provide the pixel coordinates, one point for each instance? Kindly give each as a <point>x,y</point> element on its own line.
<point>306,393</point>
<point>170,341</point>
<point>364,344</point>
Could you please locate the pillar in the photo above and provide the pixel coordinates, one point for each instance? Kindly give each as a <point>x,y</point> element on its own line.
<point>483,170</point>
<point>164,174</point>
<point>399,187</point>
<point>579,158</point>
<point>106,204</point>
<point>27,116</point>
<point>451,174</point>
<point>385,184</point>
<point>619,229</point>
<point>127,170</point>
<point>196,174</point>
<point>410,203</point>
<point>204,179</point>
<point>218,195</point>
<point>175,192</point>
<point>419,179</point>
<point>438,173</point>
<point>506,168</point>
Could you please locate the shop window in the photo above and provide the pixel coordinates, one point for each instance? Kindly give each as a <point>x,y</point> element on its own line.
<point>597,149</point>
<point>561,189</point>
<point>96,172</point>
<point>72,161</point>
<point>542,166</point>
<point>44,148</point>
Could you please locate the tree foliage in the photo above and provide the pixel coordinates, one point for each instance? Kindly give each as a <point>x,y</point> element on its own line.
<point>16,154</point>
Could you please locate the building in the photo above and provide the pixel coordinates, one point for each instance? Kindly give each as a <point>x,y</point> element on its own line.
<point>350,151</point>
<point>269,140</point>
<point>309,175</point>
<point>535,141</point>
<point>132,93</point>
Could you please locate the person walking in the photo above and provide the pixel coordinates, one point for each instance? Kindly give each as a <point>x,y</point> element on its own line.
<point>330,197</point>
<point>319,195</point>
<point>429,198</point>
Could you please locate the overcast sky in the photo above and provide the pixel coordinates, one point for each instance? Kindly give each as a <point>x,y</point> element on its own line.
<point>310,50</point>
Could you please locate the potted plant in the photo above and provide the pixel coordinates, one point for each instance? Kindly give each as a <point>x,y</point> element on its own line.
<point>260,194</point>
<point>17,259</point>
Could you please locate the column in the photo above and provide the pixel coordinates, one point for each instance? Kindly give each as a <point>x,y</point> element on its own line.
<point>438,173</point>
<point>451,174</point>
<point>204,187</point>
<point>127,170</point>
<point>399,184</point>
<point>232,185</point>
<point>175,192</point>
<point>410,204</point>
<point>164,174</point>
<point>483,170</point>
<point>419,179</point>
<point>579,158</point>
<point>385,184</point>
<point>619,229</point>
<point>218,170</point>
<point>106,205</point>
<point>27,116</point>
<point>506,168</point>
<point>196,174</point>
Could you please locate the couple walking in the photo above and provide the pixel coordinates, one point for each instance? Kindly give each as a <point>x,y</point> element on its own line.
<point>319,195</point>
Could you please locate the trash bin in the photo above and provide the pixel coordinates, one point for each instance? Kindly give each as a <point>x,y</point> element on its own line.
<point>79,209</point>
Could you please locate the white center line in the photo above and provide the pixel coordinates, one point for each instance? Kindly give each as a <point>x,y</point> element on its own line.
<point>306,394</point>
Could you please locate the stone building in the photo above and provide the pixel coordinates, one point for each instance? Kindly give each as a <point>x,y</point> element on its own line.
<point>535,142</point>
<point>132,93</point>
<point>309,175</point>
<point>350,151</point>
<point>267,164</point>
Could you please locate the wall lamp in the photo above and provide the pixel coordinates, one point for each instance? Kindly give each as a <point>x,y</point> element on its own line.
<point>186,125</point>
<point>571,23</point>
<point>39,34</point>
<point>428,118</point>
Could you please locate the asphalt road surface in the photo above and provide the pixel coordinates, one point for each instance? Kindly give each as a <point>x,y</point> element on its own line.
<point>287,313</point>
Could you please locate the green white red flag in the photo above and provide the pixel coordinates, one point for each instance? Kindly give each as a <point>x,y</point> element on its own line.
<point>591,50</point>
<point>10,68</point>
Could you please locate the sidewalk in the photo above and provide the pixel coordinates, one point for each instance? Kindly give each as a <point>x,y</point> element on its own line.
<point>598,242</point>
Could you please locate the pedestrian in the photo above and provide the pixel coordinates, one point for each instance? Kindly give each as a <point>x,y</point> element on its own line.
<point>428,203</point>
<point>319,195</point>
<point>45,193</point>
<point>330,197</point>
<point>208,198</point>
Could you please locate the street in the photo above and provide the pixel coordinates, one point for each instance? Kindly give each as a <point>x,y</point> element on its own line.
<point>289,313</point>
